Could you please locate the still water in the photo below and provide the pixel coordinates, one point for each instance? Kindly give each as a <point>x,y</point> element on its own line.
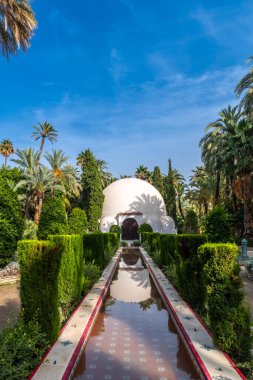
<point>134,338</point>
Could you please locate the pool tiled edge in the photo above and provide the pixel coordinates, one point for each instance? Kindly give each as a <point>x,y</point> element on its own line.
<point>211,363</point>
<point>60,361</point>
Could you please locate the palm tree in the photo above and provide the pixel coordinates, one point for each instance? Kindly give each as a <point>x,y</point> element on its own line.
<point>246,85</point>
<point>17,23</point>
<point>6,149</point>
<point>66,175</point>
<point>44,131</point>
<point>42,180</point>
<point>27,159</point>
<point>143,173</point>
<point>201,188</point>
<point>106,177</point>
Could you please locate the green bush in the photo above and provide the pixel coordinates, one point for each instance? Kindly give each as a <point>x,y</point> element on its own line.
<point>136,243</point>
<point>21,349</point>
<point>39,269</point>
<point>169,254</point>
<point>111,244</point>
<point>70,277</point>
<point>154,243</point>
<point>11,222</point>
<point>191,222</point>
<point>144,237</point>
<point>91,275</point>
<point>93,249</point>
<point>229,316</point>
<point>218,225</point>
<point>116,229</point>
<point>77,222</point>
<point>145,227</point>
<point>53,220</point>
<point>187,244</point>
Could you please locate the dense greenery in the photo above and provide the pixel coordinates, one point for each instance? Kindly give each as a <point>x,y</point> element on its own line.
<point>92,191</point>
<point>218,225</point>
<point>115,228</point>
<point>77,222</point>
<point>39,268</point>
<point>93,249</point>
<point>191,225</point>
<point>11,222</point>
<point>21,349</point>
<point>53,219</point>
<point>170,194</point>
<point>157,180</point>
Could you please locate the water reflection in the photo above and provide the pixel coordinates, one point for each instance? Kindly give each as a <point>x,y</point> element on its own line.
<point>134,338</point>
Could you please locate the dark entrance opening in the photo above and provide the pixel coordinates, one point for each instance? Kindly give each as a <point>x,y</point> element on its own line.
<point>129,229</point>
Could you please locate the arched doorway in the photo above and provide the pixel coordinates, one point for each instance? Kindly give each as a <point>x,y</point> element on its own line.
<point>129,229</point>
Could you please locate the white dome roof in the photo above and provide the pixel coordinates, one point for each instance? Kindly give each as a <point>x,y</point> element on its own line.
<point>139,198</point>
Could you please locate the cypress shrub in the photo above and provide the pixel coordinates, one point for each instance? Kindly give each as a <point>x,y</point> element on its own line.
<point>11,222</point>
<point>39,269</point>
<point>53,218</point>
<point>145,227</point>
<point>70,277</point>
<point>191,222</point>
<point>169,253</point>
<point>77,222</point>
<point>154,243</point>
<point>188,244</point>
<point>93,249</point>
<point>111,244</point>
<point>157,180</point>
<point>144,237</point>
<point>229,315</point>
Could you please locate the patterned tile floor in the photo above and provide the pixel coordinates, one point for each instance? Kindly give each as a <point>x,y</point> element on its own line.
<point>135,341</point>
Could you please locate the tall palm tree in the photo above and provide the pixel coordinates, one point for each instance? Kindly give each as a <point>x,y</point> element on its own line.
<point>66,175</point>
<point>143,173</point>
<point>44,131</point>
<point>17,23</point>
<point>6,149</point>
<point>246,85</point>
<point>42,180</point>
<point>106,177</point>
<point>201,188</point>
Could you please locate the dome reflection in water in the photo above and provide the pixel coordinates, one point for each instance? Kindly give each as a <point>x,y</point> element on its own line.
<point>134,338</point>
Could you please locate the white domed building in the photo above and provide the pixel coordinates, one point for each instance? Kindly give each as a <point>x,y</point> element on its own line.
<point>128,203</point>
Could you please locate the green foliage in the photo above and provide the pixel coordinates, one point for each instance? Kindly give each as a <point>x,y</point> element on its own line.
<point>21,349</point>
<point>169,253</point>
<point>39,269</point>
<point>53,218</point>
<point>191,222</point>
<point>92,194</point>
<point>111,244</point>
<point>70,276</point>
<point>30,231</point>
<point>93,249</point>
<point>115,228</point>
<point>170,194</point>
<point>91,275</point>
<point>157,180</point>
<point>145,227</point>
<point>229,316</point>
<point>11,222</point>
<point>77,222</point>
<point>136,243</point>
<point>123,243</point>
<point>218,225</point>
<point>187,244</point>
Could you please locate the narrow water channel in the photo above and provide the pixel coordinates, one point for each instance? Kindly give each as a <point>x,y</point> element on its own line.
<point>134,338</point>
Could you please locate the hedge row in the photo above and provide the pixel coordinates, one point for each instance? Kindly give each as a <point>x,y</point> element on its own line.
<point>52,274</point>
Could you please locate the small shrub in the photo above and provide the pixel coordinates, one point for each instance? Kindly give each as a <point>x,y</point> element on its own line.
<point>123,243</point>
<point>217,225</point>
<point>77,222</point>
<point>53,220</point>
<point>91,275</point>
<point>21,349</point>
<point>136,243</point>
<point>145,227</point>
<point>116,229</point>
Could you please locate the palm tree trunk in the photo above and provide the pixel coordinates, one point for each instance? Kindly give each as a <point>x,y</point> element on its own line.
<point>36,210</point>
<point>227,191</point>
<point>5,160</point>
<point>206,206</point>
<point>180,208</point>
<point>247,217</point>
<point>217,189</point>
<point>41,149</point>
<point>234,199</point>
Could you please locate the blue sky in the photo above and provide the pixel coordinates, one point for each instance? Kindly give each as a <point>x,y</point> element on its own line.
<point>136,81</point>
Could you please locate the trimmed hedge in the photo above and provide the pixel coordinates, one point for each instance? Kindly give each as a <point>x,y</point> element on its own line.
<point>187,244</point>
<point>169,251</point>
<point>116,229</point>
<point>53,219</point>
<point>39,268</point>
<point>70,277</point>
<point>145,227</point>
<point>77,222</point>
<point>93,249</point>
<point>111,244</point>
<point>229,316</point>
<point>218,225</point>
